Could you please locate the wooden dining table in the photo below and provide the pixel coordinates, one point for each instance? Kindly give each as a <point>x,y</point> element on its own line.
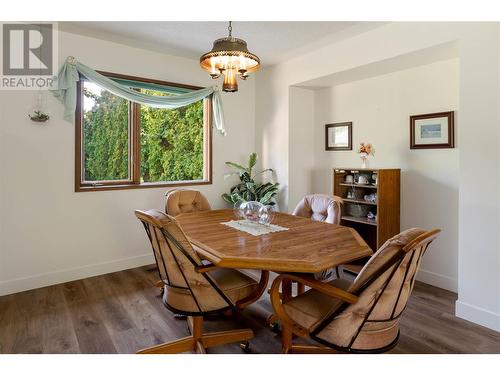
<point>306,247</point>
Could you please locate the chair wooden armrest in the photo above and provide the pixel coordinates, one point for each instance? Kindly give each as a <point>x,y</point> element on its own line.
<point>321,287</point>
<point>206,268</point>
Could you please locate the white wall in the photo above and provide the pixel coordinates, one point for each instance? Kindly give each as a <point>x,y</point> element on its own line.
<point>301,144</point>
<point>479,203</point>
<point>271,136</point>
<point>49,233</point>
<point>379,108</point>
<point>478,135</point>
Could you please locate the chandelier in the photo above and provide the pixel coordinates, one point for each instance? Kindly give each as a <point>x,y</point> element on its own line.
<point>230,57</point>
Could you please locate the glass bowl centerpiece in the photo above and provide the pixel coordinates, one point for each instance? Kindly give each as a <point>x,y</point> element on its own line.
<point>253,211</point>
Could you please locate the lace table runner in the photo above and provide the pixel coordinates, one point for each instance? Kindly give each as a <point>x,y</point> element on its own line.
<point>253,228</point>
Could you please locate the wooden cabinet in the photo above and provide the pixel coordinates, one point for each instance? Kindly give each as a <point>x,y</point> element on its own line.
<point>363,196</point>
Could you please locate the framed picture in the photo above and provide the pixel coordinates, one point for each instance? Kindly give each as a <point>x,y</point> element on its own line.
<point>338,137</point>
<point>434,130</point>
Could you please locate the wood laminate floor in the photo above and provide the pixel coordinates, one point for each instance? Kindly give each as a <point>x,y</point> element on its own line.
<point>122,312</point>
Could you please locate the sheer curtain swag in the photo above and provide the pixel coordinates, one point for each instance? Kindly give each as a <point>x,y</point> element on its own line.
<point>68,77</point>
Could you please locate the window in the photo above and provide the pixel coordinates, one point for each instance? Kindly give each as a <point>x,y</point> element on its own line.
<point>122,145</point>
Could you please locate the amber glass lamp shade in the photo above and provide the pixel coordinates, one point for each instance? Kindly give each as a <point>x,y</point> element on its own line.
<point>230,84</point>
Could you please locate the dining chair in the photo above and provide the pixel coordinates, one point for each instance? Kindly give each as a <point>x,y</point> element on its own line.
<point>362,316</point>
<point>320,207</point>
<point>178,201</point>
<point>195,289</point>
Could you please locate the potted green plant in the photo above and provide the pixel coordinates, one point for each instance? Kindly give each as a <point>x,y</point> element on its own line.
<point>248,189</point>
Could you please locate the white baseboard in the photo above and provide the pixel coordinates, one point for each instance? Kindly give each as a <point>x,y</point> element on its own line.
<point>478,315</point>
<point>436,279</point>
<point>70,274</point>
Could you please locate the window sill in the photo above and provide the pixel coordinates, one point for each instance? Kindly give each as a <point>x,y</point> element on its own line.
<point>145,185</point>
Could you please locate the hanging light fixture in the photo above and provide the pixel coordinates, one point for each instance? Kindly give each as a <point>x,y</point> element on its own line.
<point>230,57</point>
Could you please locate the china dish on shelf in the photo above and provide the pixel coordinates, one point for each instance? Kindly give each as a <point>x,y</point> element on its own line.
<point>356,210</point>
<point>363,180</point>
<point>372,198</point>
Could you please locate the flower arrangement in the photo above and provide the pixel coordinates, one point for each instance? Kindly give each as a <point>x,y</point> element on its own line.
<point>365,149</point>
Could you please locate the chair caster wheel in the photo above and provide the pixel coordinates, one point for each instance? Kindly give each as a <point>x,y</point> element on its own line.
<point>245,346</point>
<point>275,327</point>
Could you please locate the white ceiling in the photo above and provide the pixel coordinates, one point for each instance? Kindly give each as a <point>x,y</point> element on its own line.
<point>273,42</point>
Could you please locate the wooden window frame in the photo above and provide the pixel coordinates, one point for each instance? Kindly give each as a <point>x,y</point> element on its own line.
<point>133,182</point>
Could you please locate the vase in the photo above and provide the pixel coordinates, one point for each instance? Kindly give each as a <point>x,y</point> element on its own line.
<point>364,161</point>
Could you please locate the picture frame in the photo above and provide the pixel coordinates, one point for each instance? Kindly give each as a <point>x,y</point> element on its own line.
<point>338,136</point>
<point>432,130</point>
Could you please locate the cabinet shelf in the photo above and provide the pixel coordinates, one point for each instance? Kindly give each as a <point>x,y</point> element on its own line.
<point>362,220</point>
<point>359,201</point>
<point>367,186</point>
<point>386,207</point>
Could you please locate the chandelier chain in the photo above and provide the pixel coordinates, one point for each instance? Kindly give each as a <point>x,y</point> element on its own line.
<point>230,28</point>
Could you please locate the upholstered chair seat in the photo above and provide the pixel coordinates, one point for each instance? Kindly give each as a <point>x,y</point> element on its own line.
<point>362,316</point>
<point>234,284</point>
<point>180,201</point>
<point>320,207</point>
<point>309,307</point>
